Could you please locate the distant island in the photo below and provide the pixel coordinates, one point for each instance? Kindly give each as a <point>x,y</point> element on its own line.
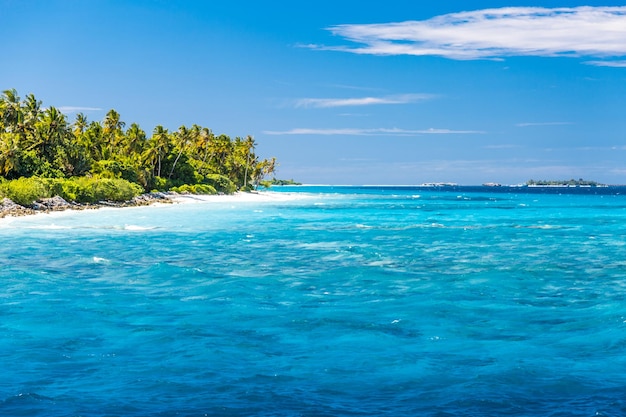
<point>43,155</point>
<point>564,183</point>
<point>276,181</point>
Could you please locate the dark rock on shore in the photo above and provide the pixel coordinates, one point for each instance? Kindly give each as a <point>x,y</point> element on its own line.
<point>55,203</point>
<point>46,205</point>
<point>150,198</point>
<point>9,208</point>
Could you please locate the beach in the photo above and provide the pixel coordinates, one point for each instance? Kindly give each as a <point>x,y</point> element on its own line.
<point>56,204</point>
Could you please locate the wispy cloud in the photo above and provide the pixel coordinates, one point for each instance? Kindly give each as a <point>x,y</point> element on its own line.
<point>543,124</point>
<point>76,109</point>
<point>370,132</point>
<point>615,64</point>
<point>601,148</point>
<point>495,33</point>
<point>361,101</point>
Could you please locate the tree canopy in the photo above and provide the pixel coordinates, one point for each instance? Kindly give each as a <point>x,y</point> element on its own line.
<point>38,141</point>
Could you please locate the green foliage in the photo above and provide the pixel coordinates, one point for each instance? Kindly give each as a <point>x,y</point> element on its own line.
<point>25,191</point>
<point>160,184</point>
<point>276,181</point>
<point>221,183</point>
<point>571,182</point>
<point>108,168</point>
<point>94,189</point>
<point>41,142</point>
<point>33,165</point>
<point>194,189</point>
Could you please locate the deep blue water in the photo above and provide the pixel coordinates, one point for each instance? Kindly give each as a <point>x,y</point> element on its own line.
<point>320,301</point>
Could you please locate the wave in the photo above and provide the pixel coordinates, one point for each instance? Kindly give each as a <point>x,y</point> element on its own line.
<point>133,227</point>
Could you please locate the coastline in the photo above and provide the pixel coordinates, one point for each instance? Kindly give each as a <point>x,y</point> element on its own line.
<point>8,208</point>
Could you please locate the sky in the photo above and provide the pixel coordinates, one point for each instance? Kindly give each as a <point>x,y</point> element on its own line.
<point>346,92</point>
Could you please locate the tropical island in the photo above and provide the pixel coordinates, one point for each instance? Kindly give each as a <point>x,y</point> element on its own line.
<point>564,183</point>
<point>43,156</point>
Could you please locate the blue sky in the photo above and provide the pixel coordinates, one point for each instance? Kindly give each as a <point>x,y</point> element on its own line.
<point>346,92</point>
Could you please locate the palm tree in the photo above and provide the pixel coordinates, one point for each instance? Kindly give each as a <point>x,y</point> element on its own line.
<point>222,148</point>
<point>31,114</point>
<point>182,138</point>
<point>135,139</point>
<point>113,129</point>
<point>112,122</point>
<point>204,142</point>
<point>9,153</point>
<point>158,147</point>
<point>249,148</point>
<point>93,141</point>
<point>50,131</point>
<point>12,115</point>
<point>262,169</point>
<point>80,124</point>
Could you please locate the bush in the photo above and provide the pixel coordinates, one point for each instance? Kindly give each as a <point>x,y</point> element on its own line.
<point>220,183</point>
<point>25,191</point>
<point>205,189</point>
<point>160,183</point>
<point>92,190</point>
<point>194,189</point>
<point>115,169</point>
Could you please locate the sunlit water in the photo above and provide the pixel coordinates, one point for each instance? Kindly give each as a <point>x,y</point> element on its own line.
<point>319,302</point>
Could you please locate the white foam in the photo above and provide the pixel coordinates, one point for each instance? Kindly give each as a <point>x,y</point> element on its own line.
<point>133,227</point>
<point>256,196</point>
<point>49,227</point>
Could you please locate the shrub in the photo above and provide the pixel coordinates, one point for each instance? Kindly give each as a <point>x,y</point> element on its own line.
<point>194,189</point>
<point>25,191</point>
<point>115,169</point>
<point>91,190</point>
<point>205,189</point>
<point>220,183</point>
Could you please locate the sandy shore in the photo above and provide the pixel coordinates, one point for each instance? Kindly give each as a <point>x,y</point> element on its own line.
<point>10,209</point>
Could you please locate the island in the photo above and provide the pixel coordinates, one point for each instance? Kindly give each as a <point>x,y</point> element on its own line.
<point>564,183</point>
<point>43,155</point>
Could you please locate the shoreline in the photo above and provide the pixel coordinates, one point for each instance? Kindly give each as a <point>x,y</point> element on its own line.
<point>9,208</point>
<point>56,204</point>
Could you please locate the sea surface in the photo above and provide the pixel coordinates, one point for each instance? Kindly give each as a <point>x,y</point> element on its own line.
<point>320,301</point>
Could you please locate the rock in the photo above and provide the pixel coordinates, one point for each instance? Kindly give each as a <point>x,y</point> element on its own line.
<point>55,203</point>
<point>7,204</point>
<point>150,198</point>
<point>10,208</point>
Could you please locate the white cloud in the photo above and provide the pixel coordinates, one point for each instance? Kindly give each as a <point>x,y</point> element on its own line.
<point>615,64</point>
<point>76,109</point>
<point>601,148</point>
<point>370,132</point>
<point>495,33</point>
<point>361,101</point>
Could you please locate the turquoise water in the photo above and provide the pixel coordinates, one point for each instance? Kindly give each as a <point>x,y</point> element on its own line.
<point>319,301</point>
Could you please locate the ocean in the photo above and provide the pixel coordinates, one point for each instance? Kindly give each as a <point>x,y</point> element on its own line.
<point>320,301</point>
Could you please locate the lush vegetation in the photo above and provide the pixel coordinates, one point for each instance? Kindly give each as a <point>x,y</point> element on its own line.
<point>572,182</point>
<point>45,154</point>
<point>275,181</point>
<point>25,191</point>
